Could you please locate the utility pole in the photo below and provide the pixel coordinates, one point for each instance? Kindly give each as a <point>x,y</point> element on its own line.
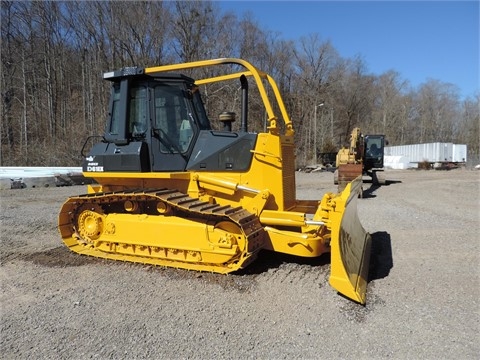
<point>331,125</point>
<point>315,132</point>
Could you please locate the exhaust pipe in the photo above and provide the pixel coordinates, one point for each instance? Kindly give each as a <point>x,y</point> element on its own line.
<point>244,83</point>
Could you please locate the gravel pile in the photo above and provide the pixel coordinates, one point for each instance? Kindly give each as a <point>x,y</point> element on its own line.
<point>423,299</point>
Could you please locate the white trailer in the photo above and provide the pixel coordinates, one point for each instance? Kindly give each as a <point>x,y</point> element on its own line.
<point>459,153</point>
<point>438,154</point>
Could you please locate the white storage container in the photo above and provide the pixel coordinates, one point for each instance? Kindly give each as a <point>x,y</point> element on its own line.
<point>460,153</point>
<point>431,152</point>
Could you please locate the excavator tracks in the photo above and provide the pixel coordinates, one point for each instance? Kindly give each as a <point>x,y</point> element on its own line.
<point>161,227</point>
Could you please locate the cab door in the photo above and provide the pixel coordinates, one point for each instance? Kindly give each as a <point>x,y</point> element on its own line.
<point>173,127</point>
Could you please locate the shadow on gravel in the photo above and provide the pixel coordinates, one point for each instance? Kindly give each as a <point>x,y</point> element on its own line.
<point>381,260</point>
<point>58,257</point>
<point>243,280</point>
<point>267,260</point>
<point>370,192</point>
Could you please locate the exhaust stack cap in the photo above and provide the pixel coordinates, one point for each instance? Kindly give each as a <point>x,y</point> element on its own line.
<point>227,117</point>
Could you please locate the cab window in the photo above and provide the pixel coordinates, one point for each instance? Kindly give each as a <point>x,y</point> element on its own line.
<point>173,119</point>
<point>115,121</point>
<point>138,111</point>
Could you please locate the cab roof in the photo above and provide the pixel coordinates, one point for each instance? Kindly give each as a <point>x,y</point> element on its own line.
<point>137,72</point>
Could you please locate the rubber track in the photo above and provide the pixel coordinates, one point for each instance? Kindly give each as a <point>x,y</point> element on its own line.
<point>248,222</point>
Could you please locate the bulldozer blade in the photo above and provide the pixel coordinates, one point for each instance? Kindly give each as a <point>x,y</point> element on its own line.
<point>350,246</point>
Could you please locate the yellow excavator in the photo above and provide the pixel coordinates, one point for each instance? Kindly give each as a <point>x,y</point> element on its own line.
<point>172,191</point>
<point>364,156</point>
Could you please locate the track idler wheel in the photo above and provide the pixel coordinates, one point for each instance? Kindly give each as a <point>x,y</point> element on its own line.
<point>90,225</point>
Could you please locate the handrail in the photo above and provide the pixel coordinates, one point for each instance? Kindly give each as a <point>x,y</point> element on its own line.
<point>257,74</point>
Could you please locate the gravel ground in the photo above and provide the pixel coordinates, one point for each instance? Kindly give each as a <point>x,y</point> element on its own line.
<point>423,295</point>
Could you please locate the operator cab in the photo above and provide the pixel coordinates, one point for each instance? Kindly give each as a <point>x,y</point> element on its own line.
<point>156,122</point>
<point>374,151</point>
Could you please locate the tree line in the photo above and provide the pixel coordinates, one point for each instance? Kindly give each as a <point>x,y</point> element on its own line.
<point>54,53</point>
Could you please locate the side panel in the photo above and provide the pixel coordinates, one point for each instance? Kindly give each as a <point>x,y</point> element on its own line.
<point>222,151</point>
<point>289,185</point>
<point>109,157</point>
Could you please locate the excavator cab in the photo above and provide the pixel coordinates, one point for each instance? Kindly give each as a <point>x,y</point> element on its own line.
<point>374,151</point>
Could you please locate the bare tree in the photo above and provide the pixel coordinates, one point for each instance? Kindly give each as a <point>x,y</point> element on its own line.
<point>353,94</point>
<point>315,63</point>
<point>192,29</point>
<point>389,109</point>
<point>437,106</point>
<point>8,69</point>
<point>53,97</point>
<point>469,126</point>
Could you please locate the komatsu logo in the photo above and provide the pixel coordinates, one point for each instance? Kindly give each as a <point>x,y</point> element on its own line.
<point>90,158</point>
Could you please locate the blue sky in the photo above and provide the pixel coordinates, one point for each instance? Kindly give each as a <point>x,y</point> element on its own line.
<point>421,40</point>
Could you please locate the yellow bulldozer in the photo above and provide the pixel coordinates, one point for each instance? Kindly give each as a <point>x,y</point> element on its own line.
<point>172,191</point>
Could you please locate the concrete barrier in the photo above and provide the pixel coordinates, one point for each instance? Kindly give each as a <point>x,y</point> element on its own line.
<point>40,177</point>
